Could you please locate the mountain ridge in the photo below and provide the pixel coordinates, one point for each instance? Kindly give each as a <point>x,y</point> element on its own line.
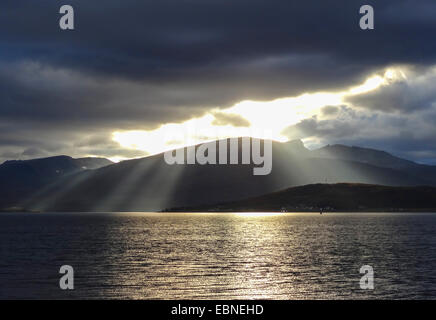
<point>149,184</point>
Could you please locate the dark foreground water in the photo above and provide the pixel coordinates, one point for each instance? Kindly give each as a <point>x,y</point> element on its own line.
<point>217,256</point>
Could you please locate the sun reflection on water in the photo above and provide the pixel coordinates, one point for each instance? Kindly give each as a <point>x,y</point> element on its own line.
<point>257,214</point>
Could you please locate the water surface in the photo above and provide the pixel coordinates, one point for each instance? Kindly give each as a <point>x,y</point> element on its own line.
<point>217,256</point>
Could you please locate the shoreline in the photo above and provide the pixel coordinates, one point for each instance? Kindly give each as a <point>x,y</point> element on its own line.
<point>230,211</point>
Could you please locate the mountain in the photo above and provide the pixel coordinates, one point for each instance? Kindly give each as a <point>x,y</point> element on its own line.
<point>377,158</point>
<point>92,163</point>
<point>21,178</point>
<point>364,155</point>
<point>150,184</point>
<point>333,197</point>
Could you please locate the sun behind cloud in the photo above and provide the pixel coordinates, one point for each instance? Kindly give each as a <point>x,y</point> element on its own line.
<point>257,119</point>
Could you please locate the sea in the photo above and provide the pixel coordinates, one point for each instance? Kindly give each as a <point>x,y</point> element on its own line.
<point>218,255</point>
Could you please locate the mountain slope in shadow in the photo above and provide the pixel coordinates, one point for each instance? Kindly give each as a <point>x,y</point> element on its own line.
<point>21,178</point>
<point>376,158</point>
<point>150,184</point>
<point>332,197</point>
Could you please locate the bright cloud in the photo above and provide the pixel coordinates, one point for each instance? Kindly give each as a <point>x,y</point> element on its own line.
<point>267,119</point>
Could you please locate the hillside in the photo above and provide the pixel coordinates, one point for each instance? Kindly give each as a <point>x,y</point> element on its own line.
<point>150,184</point>
<point>332,197</point>
<point>21,178</point>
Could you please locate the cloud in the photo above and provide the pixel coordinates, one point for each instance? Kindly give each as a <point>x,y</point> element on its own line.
<point>138,65</point>
<point>404,135</point>
<point>24,141</point>
<point>411,93</point>
<point>329,110</point>
<point>235,120</point>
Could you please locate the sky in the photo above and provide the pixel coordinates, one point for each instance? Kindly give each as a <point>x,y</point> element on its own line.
<point>140,77</point>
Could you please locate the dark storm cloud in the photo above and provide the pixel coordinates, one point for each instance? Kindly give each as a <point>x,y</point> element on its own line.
<point>138,64</point>
<point>161,39</point>
<point>65,97</point>
<point>193,41</point>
